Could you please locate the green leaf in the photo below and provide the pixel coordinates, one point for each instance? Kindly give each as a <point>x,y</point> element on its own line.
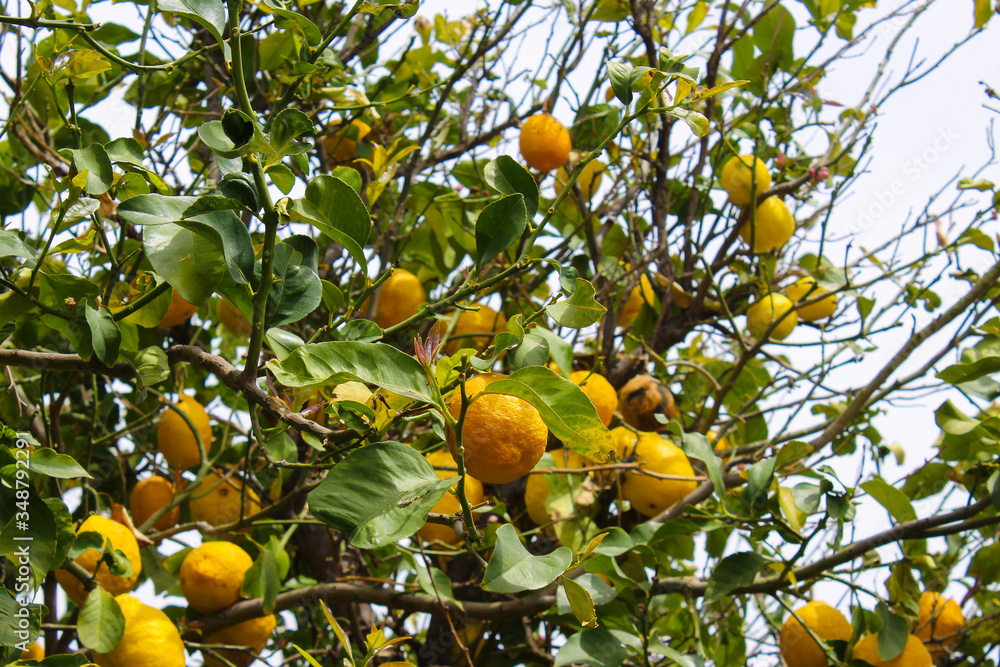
<point>43,550</point>
<point>9,608</point>
<point>282,342</point>
<point>564,408</point>
<point>191,266</point>
<point>598,648</point>
<point>581,603</point>
<point>125,149</point>
<point>48,462</point>
<point>513,570</point>
<point>320,364</point>
<point>697,446</point>
<point>104,334</point>
<point>695,120</point>
<point>621,81</point>
<point>334,208</point>
<point>499,226</point>
<point>85,64</point>
<point>378,494</point>
<point>289,125</point>
<point>732,572</point>
<point>150,365</point>
<point>894,635</point>
<point>985,564</point>
<point>559,349</point>
<point>508,177</point>
<point>759,479</point>
<point>95,161</point>
<point>533,351</point>
<point>282,177</point>
<point>209,13</point>
<point>993,486</point>
<point>959,373</point>
<point>101,623</point>
<point>262,580</point>
<point>296,291</point>
<point>773,34</point>
<point>891,498</point>
<point>11,245</point>
<point>580,310</point>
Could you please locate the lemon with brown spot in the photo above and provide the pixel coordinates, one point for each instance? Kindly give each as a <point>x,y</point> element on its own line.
<point>641,399</point>
<point>121,539</point>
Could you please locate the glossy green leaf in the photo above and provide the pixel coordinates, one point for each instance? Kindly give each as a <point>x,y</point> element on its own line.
<point>296,290</point>
<point>48,462</point>
<point>11,245</point>
<point>209,13</point>
<point>894,634</point>
<point>104,334</point>
<point>596,647</point>
<point>579,310</point>
<point>191,266</point>
<point>697,446</point>
<point>379,494</point>
<point>564,408</point>
<point>44,554</point>
<point>891,498</point>
<point>512,569</point>
<point>505,175</point>
<point>759,479</point>
<point>733,571</point>
<point>101,623</point>
<point>959,373</point>
<point>126,150</point>
<point>262,580</point>
<point>288,126</point>
<point>282,342</point>
<point>499,226</point>
<point>150,365</point>
<point>95,161</point>
<point>321,364</point>
<point>334,208</point>
<point>9,607</point>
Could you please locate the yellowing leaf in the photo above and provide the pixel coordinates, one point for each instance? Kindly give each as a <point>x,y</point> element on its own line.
<point>84,64</point>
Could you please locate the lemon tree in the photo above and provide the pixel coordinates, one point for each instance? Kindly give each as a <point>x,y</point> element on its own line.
<point>535,333</point>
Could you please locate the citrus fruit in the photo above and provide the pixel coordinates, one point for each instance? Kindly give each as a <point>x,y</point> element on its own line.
<point>739,181</point>
<point>150,639</point>
<point>771,227</point>
<point>233,319</point>
<point>599,391</point>
<point>174,438</point>
<point>121,539</point>
<point>649,495</point>
<point>342,145</point>
<point>940,619</point>
<point>798,648</point>
<point>179,311</point>
<point>399,298</point>
<point>641,399</point>
<point>218,501</point>
<point>253,634</point>
<point>503,436</point>
<point>768,309</point>
<point>474,328</point>
<point>212,575</point>
<point>588,180</point>
<point>147,497</point>
<point>914,655</point>
<point>33,652</point>
<point>643,293</point>
<point>536,492</point>
<point>449,503</point>
<point>806,289</point>
<point>544,142</point>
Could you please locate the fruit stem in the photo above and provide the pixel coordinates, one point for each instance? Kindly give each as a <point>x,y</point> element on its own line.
<point>471,532</point>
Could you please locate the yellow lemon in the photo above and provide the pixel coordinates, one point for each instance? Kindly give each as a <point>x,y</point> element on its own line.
<point>33,652</point>
<point>399,298</point>
<point>150,639</point>
<point>914,655</point>
<point>179,311</point>
<point>588,180</point>
<point>798,648</point>
<point>641,399</point>
<point>148,496</point>
<point>503,436</point>
<point>218,500</point>
<point>806,289</point>
<point>253,634</point>
<point>649,495</point>
<point>771,227</point>
<point>599,391</point>
<point>233,319</point>
<point>342,145</point>
<point>940,619</point>
<point>121,539</point>
<point>767,309</point>
<point>474,328</point>
<point>739,181</point>
<point>536,492</point>
<point>212,575</point>
<point>449,503</point>
<point>643,293</point>
<point>174,438</point>
<point>544,142</point>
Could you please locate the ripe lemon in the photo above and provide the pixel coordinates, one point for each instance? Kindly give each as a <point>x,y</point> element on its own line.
<point>649,495</point>
<point>217,501</point>
<point>806,289</point>
<point>641,399</point>
<point>643,293</point>
<point>798,648</point>
<point>599,391</point>
<point>544,142</point>
<point>399,298</point>
<point>771,228</point>
<point>253,634</point>
<point>179,311</point>
<point>147,497</point>
<point>212,575</point>
<point>503,436</point>
<point>914,655</point>
<point>739,181</point>
<point>537,489</point>
<point>151,639</point>
<point>176,441</point>
<point>449,503</point>
<point>233,319</point>
<point>121,539</point>
<point>342,145</point>
<point>767,309</point>
<point>33,652</point>
<point>474,328</point>
<point>940,619</point>
<point>588,180</point>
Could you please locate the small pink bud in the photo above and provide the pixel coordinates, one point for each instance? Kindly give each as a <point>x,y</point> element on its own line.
<point>70,302</point>
<point>781,161</point>
<point>822,174</point>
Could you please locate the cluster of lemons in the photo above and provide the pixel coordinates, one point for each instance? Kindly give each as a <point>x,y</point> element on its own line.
<point>938,627</point>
